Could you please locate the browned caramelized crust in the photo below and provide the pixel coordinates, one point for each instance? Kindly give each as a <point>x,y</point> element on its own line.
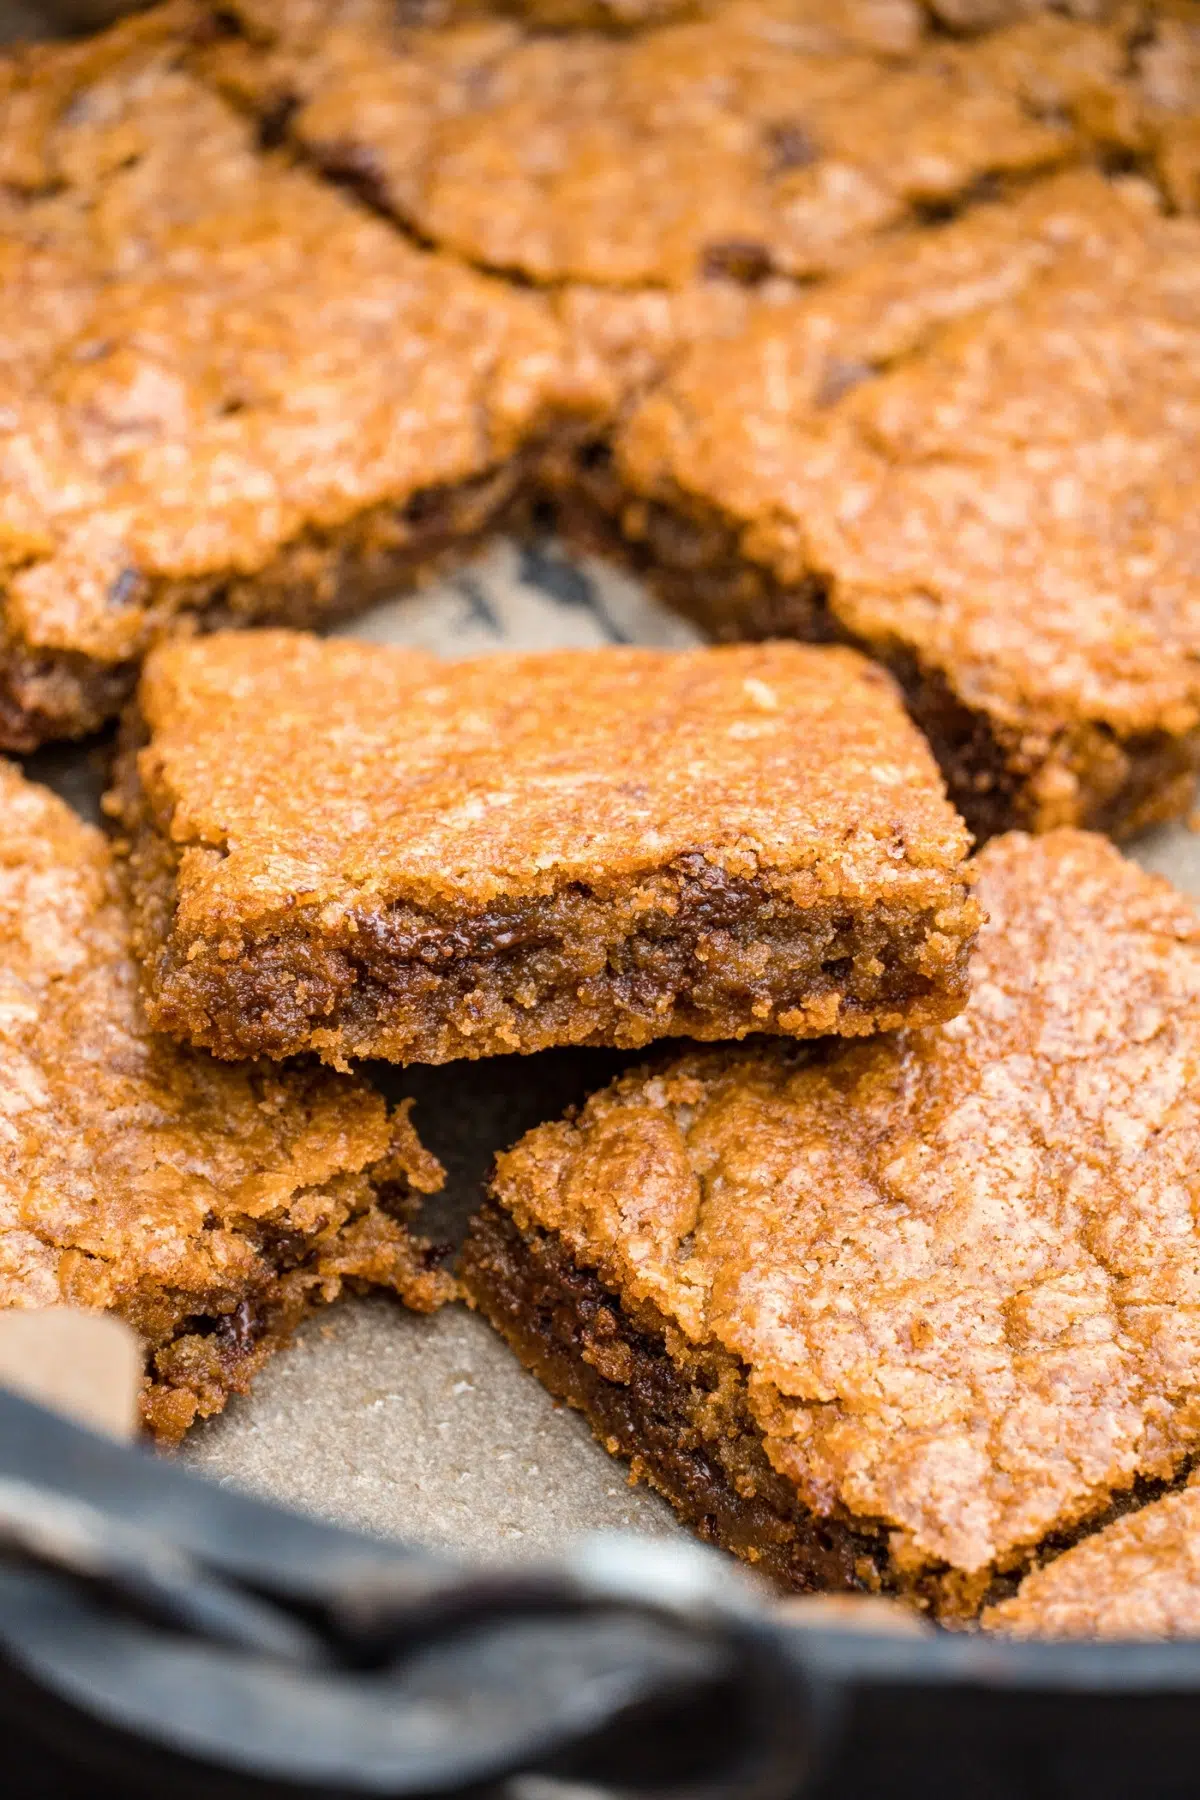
<point>210,1205</point>
<point>738,140</point>
<point>229,393</point>
<point>368,852</point>
<point>679,1411</point>
<point>950,1276</point>
<point>1001,509</point>
<point>226,391</point>
<point>815,465</point>
<point>1139,1578</point>
<point>634,265</point>
<point>772,137</point>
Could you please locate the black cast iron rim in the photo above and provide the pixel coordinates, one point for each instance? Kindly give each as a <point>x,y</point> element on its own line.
<point>156,1617</point>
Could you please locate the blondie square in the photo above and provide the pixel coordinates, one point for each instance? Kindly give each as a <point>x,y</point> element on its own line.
<point>227,392</point>
<point>771,138</point>
<point>898,1315</point>
<point>368,852</point>
<point>210,1205</point>
<point>980,467</point>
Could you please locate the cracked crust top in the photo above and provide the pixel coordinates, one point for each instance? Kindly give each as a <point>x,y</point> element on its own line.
<point>1138,1578</point>
<point>341,776</point>
<point>217,374</point>
<point>769,138</point>
<point>789,129</point>
<point>961,1264</point>
<point>177,438</point>
<point>986,456</point>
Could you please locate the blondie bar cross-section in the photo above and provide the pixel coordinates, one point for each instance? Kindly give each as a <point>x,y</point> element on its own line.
<point>210,1205</point>
<point>894,1315</point>
<point>369,852</point>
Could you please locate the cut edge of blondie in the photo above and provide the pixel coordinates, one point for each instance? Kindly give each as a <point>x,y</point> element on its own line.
<point>315,580</point>
<point>199,1355</point>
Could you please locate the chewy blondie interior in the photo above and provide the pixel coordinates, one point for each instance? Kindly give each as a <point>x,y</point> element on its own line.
<point>368,852</point>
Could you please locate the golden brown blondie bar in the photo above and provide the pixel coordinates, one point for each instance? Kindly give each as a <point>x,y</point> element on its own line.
<point>894,1315</point>
<point>226,391</point>
<point>368,852</point>
<point>771,138</point>
<point>978,467</point>
<point>211,1206</point>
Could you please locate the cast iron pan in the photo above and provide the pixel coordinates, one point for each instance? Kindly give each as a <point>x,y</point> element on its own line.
<point>162,1635</point>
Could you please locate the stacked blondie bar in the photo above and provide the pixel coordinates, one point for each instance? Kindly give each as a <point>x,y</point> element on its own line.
<point>869,334</point>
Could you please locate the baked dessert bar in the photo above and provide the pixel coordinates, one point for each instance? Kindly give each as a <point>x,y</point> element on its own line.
<point>211,1206</point>
<point>771,138</point>
<point>754,139</point>
<point>362,851</point>
<point>226,391</point>
<point>898,1315</point>
<point>1002,509</point>
<point>1138,1578</point>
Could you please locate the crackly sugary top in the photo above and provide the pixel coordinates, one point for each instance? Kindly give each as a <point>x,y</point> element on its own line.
<point>107,142</point>
<point>1016,496</point>
<point>961,1265</point>
<point>772,136</point>
<point>126,1162</point>
<point>205,353</point>
<point>885,24</point>
<point>760,134</point>
<point>339,776</point>
<point>1138,1578</point>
